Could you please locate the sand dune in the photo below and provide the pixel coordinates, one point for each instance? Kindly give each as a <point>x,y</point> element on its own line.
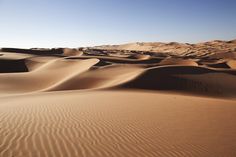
<point>46,76</point>
<point>139,99</point>
<point>186,79</point>
<point>34,63</point>
<point>13,62</point>
<point>195,80</point>
<point>215,48</point>
<point>105,77</point>
<point>190,72</point>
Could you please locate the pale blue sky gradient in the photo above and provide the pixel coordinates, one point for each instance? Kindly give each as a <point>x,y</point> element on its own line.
<point>75,23</point>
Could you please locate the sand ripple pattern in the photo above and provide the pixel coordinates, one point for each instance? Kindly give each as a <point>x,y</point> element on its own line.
<point>70,125</point>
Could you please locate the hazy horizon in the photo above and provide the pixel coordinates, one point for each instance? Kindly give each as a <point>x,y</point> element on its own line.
<point>61,23</point>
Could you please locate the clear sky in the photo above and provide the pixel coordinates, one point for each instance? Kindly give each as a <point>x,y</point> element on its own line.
<point>75,23</point>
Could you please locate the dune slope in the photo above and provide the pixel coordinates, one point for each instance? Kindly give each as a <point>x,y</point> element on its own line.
<point>46,76</point>
<point>119,124</point>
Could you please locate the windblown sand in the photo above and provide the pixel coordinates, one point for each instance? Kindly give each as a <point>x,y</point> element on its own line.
<point>119,101</point>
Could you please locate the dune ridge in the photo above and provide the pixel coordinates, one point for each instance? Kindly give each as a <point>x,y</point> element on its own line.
<point>44,76</point>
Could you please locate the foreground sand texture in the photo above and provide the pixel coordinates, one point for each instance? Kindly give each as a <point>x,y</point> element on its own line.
<point>139,99</point>
<point>108,123</point>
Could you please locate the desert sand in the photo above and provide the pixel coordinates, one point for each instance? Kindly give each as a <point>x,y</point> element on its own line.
<point>139,99</point>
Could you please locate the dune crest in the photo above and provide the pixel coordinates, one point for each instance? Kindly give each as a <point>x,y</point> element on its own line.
<point>50,74</point>
<point>106,77</point>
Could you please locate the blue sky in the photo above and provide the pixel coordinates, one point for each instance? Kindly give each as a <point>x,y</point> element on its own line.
<point>75,23</point>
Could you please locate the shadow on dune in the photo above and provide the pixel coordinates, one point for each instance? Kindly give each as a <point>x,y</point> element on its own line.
<point>10,66</point>
<point>195,80</point>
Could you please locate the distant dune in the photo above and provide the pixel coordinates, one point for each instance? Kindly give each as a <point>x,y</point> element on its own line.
<point>137,99</point>
<point>217,47</point>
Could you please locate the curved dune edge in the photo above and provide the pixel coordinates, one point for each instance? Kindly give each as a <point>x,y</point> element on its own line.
<point>14,56</point>
<point>106,77</point>
<point>13,62</point>
<point>186,79</point>
<point>46,76</point>
<point>121,60</point>
<point>33,63</point>
<point>109,123</point>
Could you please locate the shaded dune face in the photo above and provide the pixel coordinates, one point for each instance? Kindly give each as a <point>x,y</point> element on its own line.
<point>186,79</point>
<point>13,62</point>
<point>12,66</point>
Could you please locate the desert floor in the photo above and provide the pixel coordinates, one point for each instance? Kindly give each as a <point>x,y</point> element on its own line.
<point>139,99</point>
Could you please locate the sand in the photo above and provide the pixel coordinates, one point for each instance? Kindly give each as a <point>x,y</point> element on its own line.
<point>116,123</point>
<point>122,101</point>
